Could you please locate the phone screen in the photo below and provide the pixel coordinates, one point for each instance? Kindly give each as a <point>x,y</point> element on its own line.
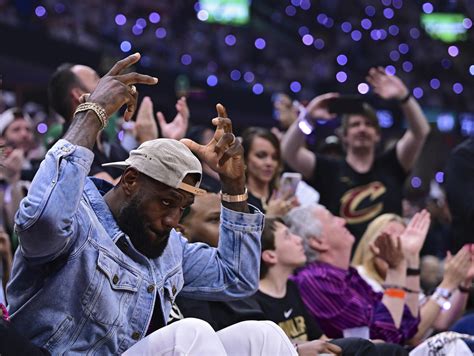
<point>288,184</point>
<point>346,105</point>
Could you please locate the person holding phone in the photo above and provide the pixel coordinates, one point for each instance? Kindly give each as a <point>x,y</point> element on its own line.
<point>263,161</point>
<point>363,185</point>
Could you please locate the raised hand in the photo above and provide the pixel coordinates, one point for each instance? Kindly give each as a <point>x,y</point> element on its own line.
<point>113,90</point>
<point>414,235</point>
<point>145,128</point>
<point>12,164</point>
<point>389,249</point>
<point>386,86</point>
<point>116,89</point>
<point>224,154</point>
<point>177,128</point>
<point>280,205</point>
<point>318,107</point>
<point>457,268</point>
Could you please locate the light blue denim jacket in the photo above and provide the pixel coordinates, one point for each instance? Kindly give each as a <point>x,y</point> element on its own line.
<point>79,286</point>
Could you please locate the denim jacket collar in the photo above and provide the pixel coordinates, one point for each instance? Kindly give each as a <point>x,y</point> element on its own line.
<point>94,189</point>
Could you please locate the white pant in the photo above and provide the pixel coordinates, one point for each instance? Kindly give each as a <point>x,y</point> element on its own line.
<point>192,336</point>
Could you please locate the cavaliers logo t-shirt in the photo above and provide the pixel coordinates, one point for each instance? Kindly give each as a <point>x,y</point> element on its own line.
<point>360,197</point>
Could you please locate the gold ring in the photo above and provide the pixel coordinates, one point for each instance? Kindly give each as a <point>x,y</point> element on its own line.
<point>133,89</point>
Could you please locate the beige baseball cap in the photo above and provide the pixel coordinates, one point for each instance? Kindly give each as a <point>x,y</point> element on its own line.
<point>165,160</point>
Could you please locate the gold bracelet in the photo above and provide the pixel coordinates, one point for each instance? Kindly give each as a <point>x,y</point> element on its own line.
<point>235,198</point>
<point>97,109</point>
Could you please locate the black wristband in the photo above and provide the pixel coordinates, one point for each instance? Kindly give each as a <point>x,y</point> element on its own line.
<point>413,271</point>
<point>405,98</point>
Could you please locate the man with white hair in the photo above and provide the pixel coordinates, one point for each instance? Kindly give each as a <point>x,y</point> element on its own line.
<point>335,294</point>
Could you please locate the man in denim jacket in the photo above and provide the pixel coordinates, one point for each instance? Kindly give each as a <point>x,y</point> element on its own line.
<point>98,266</point>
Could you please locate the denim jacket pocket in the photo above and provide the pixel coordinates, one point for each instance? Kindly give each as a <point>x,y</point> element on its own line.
<point>59,334</point>
<point>110,291</point>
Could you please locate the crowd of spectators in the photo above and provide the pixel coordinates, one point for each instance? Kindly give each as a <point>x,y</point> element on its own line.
<point>295,37</point>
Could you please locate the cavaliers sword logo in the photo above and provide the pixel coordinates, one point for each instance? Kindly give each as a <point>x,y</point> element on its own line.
<point>352,199</point>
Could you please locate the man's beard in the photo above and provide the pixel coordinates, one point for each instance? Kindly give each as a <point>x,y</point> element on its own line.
<point>132,223</point>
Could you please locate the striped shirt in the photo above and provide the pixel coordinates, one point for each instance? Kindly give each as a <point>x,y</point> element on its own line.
<point>340,299</point>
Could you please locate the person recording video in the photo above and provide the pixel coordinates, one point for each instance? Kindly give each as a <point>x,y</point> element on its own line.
<point>362,185</point>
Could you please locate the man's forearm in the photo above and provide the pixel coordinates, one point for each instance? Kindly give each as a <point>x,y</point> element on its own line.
<point>417,122</point>
<point>291,142</point>
<point>234,187</point>
<point>84,129</point>
<point>395,305</point>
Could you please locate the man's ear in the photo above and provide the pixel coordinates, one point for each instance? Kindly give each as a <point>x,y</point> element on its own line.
<point>269,257</point>
<point>129,181</point>
<point>318,245</point>
<point>76,93</point>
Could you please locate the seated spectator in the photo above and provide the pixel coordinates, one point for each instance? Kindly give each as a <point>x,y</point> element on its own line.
<point>16,129</point>
<point>117,247</point>
<point>434,313</point>
<point>335,294</point>
<point>282,253</point>
<point>201,225</point>
<point>263,161</point>
<point>362,185</point>
<point>12,187</point>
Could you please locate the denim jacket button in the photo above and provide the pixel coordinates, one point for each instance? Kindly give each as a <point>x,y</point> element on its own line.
<point>136,335</point>
<point>150,288</point>
<point>115,279</point>
<point>173,290</point>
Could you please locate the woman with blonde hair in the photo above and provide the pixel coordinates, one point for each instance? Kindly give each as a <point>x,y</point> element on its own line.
<point>438,311</point>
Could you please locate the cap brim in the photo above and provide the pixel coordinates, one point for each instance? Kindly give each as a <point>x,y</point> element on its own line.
<point>186,187</point>
<point>120,165</point>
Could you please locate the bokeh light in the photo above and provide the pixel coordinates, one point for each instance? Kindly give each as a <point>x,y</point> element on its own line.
<point>40,11</point>
<point>249,77</point>
<point>453,51</point>
<point>260,43</point>
<point>439,177</point>
<point>341,76</point>
<point>212,80</point>
<point>257,88</point>
<point>427,8</point>
<point>356,35</point>
<point>416,182</point>
<point>295,86</point>
<point>120,19</point>
<point>42,128</point>
<point>160,32</point>
<point>458,88</point>
<point>186,59</point>
<point>363,88</point>
<point>435,83</point>
<point>235,75</point>
<point>341,59</point>
<point>154,17</point>
<point>418,92</point>
<point>308,40</point>
<point>125,46</point>
<point>230,40</point>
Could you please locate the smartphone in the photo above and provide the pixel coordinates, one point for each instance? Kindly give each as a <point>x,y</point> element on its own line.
<point>288,183</point>
<point>346,104</point>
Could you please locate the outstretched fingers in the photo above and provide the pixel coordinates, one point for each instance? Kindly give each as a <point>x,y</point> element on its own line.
<point>136,78</point>
<point>124,64</point>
